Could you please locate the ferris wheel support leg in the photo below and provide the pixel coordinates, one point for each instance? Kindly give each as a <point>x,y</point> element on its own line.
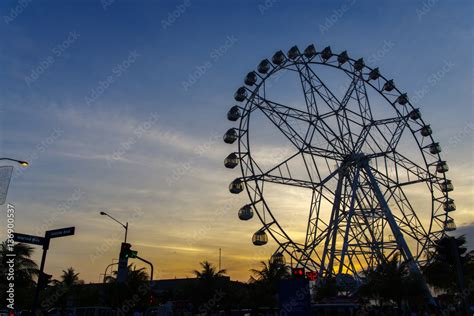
<point>402,244</point>
<point>332,228</point>
<point>355,184</point>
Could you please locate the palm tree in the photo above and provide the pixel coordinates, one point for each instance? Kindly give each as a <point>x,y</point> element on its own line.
<point>265,281</point>
<point>135,284</point>
<point>211,280</point>
<point>208,271</point>
<point>26,271</point>
<point>391,281</point>
<point>133,275</point>
<point>67,286</point>
<point>25,268</point>
<point>271,272</point>
<point>449,265</point>
<point>70,278</point>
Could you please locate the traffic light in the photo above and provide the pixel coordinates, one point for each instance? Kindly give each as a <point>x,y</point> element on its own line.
<point>298,273</point>
<point>127,252</point>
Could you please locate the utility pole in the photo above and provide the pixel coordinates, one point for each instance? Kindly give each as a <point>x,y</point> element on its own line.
<point>220,258</point>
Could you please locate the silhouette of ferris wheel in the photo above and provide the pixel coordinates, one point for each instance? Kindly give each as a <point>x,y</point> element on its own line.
<point>372,179</point>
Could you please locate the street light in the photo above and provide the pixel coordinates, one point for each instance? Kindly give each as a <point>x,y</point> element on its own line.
<point>121,224</point>
<point>21,162</point>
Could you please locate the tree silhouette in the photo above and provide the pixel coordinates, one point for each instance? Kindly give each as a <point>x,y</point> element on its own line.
<point>69,277</point>
<point>26,271</point>
<point>25,268</point>
<point>208,271</point>
<point>392,281</point>
<point>136,285</point>
<point>265,281</point>
<point>451,269</point>
<point>270,272</point>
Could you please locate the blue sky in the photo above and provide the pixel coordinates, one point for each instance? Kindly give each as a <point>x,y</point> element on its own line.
<point>172,68</point>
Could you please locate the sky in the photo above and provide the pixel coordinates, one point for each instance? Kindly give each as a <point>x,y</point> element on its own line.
<point>120,106</point>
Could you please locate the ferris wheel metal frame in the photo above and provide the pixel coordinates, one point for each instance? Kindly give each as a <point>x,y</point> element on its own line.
<point>360,214</point>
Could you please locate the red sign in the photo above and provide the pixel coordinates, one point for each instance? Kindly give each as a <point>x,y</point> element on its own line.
<point>297,272</point>
<point>312,275</point>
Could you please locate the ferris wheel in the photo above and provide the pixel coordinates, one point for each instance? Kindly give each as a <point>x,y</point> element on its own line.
<point>360,168</point>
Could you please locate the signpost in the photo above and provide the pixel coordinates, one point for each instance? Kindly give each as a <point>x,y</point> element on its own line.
<point>43,241</point>
<point>29,239</point>
<point>62,232</point>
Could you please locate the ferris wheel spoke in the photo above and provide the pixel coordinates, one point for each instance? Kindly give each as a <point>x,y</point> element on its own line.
<point>417,172</point>
<point>280,120</point>
<point>367,136</point>
<point>363,99</point>
<point>344,120</point>
<point>331,139</point>
<point>278,114</point>
<point>285,111</point>
<point>312,86</point>
<point>343,111</point>
<point>380,140</point>
<point>289,180</point>
<point>313,123</point>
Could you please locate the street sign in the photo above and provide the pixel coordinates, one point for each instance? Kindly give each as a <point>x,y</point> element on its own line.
<point>29,239</point>
<point>68,231</point>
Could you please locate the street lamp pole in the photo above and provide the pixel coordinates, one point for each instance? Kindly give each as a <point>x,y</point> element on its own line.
<point>106,268</point>
<point>21,162</point>
<point>125,226</point>
<point>122,270</point>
